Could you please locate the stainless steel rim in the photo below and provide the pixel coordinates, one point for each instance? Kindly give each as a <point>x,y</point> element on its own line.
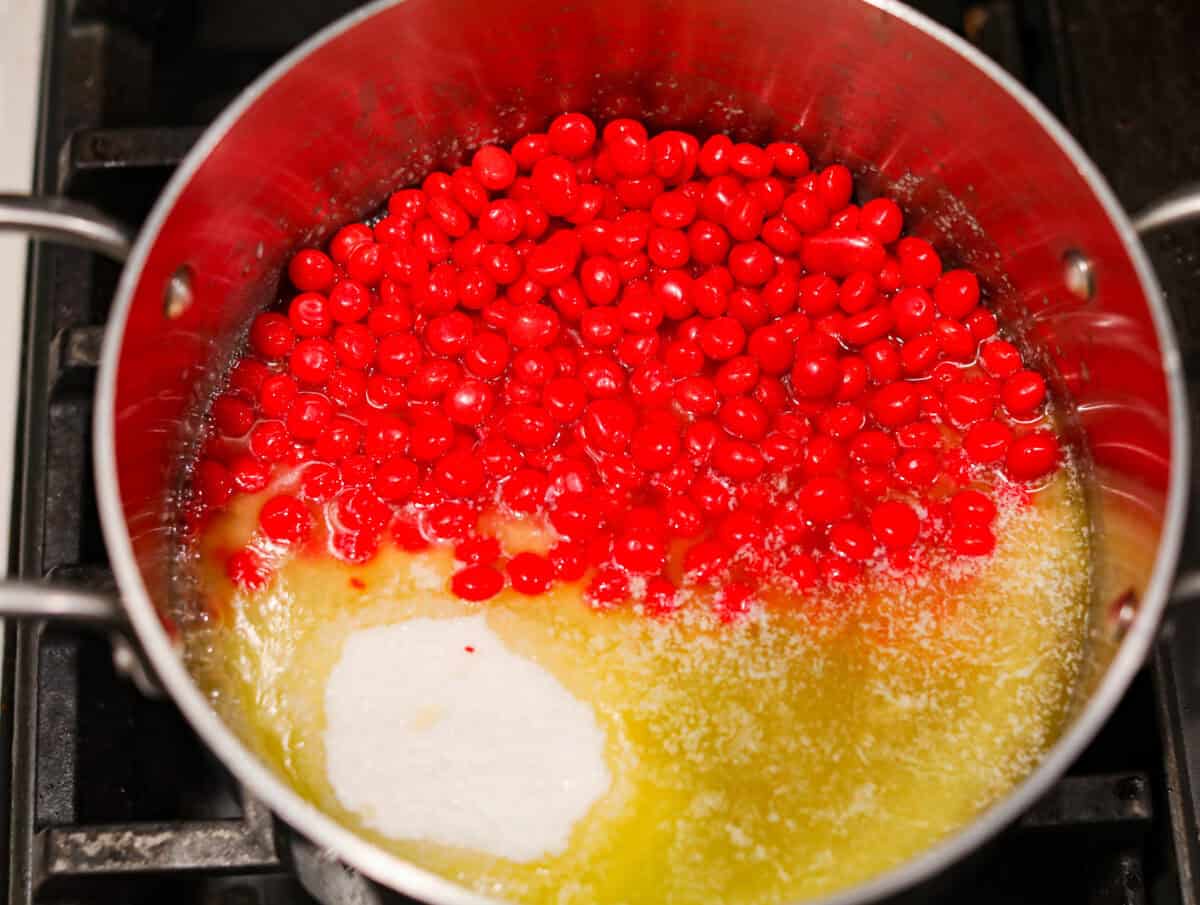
<point>414,881</point>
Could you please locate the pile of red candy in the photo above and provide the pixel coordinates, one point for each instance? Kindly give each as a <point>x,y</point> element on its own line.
<point>654,345</point>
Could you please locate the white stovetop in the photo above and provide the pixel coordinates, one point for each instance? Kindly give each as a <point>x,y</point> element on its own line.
<point>20,61</point>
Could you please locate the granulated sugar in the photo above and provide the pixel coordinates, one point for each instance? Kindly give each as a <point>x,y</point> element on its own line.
<point>435,731</point>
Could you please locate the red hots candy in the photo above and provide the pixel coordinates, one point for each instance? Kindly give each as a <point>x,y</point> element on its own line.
<point>668,351</point>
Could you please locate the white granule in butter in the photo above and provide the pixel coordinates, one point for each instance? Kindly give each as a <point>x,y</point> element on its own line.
<point>436,731</point>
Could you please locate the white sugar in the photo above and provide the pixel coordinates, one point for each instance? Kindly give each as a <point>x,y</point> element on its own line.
<point>424,576</point>
<point>435,731</point>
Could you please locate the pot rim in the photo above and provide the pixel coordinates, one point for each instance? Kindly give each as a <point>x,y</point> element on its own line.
<point>407,877</point>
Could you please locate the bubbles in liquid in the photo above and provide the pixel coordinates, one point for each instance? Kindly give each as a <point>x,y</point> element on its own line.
<point>804,748</point>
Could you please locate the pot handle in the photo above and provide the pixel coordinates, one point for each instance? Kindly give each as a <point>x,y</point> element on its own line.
<point>66,221</point>
<point>93,608</point>
<point>86,227</point>
<point>1180,206</point>
<point>90,608</point>
<point>30,600</point>
<point>1186,588</point>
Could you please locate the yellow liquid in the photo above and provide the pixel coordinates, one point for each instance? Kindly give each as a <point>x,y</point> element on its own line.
<point>803,749</point>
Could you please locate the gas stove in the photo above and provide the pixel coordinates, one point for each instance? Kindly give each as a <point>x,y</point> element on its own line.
<point>111,798</point>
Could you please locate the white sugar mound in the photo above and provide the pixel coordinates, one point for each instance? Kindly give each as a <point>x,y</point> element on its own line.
<point>435,731</point>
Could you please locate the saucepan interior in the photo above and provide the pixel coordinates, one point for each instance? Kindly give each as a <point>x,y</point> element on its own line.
<point>399,89</point>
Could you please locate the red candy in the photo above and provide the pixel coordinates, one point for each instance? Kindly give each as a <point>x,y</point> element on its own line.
<point>639,341</point>
<point>1023,393</point>
<point>530,574</point>
<point>972,539</point>
<point>311,270</point>
<point>231,416</point>
<point>284,520</point>
<point>477,582</point>
<point>999,358</point>
<point>895,525</point>
<point>987,441</point>
<point>1033,456</point>
<point>972,507</point>
<point>956,293</point>
<point>271,336</point>
<point>312,361</point>
<point>247,570</point>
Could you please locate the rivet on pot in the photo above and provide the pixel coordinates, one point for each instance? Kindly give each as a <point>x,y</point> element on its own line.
<point>128,662</point>
<point>178,296</point>
<point>1079,275</point>
<point>1122,612</point>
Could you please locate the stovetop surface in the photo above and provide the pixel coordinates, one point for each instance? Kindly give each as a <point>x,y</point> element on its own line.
<point>127,88</point>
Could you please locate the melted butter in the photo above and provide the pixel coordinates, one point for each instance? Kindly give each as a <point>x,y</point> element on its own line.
<point>798,751</point>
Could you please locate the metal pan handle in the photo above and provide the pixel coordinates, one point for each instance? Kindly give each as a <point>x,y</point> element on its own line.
<point>1180,206</point>
<point>87,607</point>
<point>86,227</point>
<point>66,221</point>
<point>31,600</point>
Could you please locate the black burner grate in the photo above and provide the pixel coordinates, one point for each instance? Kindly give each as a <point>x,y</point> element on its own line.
<point>111,796</point>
